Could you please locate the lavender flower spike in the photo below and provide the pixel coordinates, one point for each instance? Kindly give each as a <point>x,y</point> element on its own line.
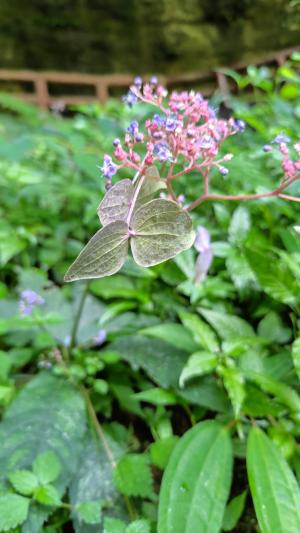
<point>203,246</point>
<point>29,300</point>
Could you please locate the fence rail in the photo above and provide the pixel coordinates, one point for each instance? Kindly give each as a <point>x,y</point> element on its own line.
<point>102,84</point>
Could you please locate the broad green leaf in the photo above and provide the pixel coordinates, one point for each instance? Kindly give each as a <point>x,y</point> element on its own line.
<point>23,481</point>
<point>296,355</point>
<point>113,525</point>
<point>239,270</point>
<point>133,476</point>
<point>47,495</point>
<point>240,225</point>
<point>138,526</point>
<point>47,414</point>
<point>161,361</point>
<point>196,482</point>
<point>234,511</point>
<point>281,391</point>
<point>89,512</point>
<point>272,328</point>
<point>227,326</point>
<point>274,489</point>
<point>47,467</point>
<point>235,385</point>
<point>103,255</point>
<point>13,511</point>
<point>202,333</point>
<point>162,230</point>
<point>93,481</point>
<point>172,333</point>
<point>199,363</point>
<point>116,202</point>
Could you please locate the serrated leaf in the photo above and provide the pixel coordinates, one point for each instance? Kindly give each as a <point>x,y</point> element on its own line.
<point>161,450</point>
<point>274,489</point>
<point>138,526</point>
<point>199,363</point>
<point>162,231</point>
<point>296,355</point>
<point>47,495</point>
<point>200,468</point>
<point>23,481</point>
<point>13,511</point>
<point>133,476</point>
<point>240,225</point>
<point>235,385</point>
<point>103,255</point>
<point>47,414</point>
<point>234,511</point>
<point>47,467</point>
<point>89,512</point>
<point>113,525</point>
<point>227,326</point>
<point>202,333</point>
<point>161,361</point>
<point>93,481</point>
<point>116,202</point>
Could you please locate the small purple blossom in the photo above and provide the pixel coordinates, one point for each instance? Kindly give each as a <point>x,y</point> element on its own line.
<point>203,246</point>
<point>100,338</point>
<point>223,171</point>
<point>153,80</point>
<point>267,148</point>
<point>171,124</point>
<point>158,120</point>
<point>108,168</point>
<point>281,138</point>
<point>29,300</point>
<point>162,152</point>
<point>240,125</point>
<point>133,127</point>
<point>137,82</point>
<point>130,99</point>
<point>116,142</point>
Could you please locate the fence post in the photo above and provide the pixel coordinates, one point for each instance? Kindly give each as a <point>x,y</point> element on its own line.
<point>101,91</point>
<point>42,94</point>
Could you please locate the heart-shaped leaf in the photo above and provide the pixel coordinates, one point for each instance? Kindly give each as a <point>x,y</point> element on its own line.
<point>152,184</point>
<point>161,230</point>
<point>116,203</point>
<point>103,255</point>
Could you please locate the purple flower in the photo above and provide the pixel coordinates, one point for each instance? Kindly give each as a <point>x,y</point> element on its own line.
<point>29,299</point>
<point>133,127</point>
<point>138,82</point>
<point>171,123</point>
<point>162,152</point>
<point>281,138</point>
<point>116,142</point>
<point>108,168</point>
<point>153,80</point>
<point>240,125</point>
<point>100,338</point>
<point>130,99</point>
<point>203,246</point>
<point>158,120</point>
<point>223,171</point>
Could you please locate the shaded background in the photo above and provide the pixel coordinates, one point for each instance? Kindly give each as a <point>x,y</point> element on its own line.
<point>167,36</point>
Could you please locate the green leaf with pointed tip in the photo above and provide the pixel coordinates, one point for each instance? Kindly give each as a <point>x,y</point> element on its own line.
<point>138,526</point>
<point>116,202</point>
<point>199,363</point>
<point>196,482</point>
<point>47,467</point>
<point>235,385</point>
<point>274,489</point>
<point>13,511</point>
<point>162,230</point>
<point>23,481</point>
<point>234,511</point>
<point>89,512</point>
<point>47,495</point>
<point>103,255</point>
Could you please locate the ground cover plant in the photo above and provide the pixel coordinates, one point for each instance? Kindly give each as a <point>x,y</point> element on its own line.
<point>164,397</point>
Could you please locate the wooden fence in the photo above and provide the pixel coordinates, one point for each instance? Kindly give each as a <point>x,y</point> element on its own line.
<point>102,85</point>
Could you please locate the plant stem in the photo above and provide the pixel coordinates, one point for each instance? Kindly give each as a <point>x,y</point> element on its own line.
<point>101,435</point>
<point>136,193</point>
<point>78,316</point>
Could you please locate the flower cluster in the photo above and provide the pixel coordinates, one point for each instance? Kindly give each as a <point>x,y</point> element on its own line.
<point>289,166</point>
<point>29,300</point>
<point>184,130</point>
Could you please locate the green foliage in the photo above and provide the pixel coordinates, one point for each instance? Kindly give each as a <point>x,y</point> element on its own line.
<point>13,511</point>
<point>133,476</point>
<point>199,468</point>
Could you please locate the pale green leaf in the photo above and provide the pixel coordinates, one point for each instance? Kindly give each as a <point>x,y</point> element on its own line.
<point>23,481</point>
<point>234,511</point>
<point>227,326</point>
<point>196,482</point>
<point>133,476</point>
<point>240,225</point>
<point>202,333</point>
<point>162,230</point>
<point>13,511</point>
<point>274,489</point>
<point>47,467</point>
<point>113,525</point>
<point>161,450</point>
<point>47,495</point>
<point>103,255</point>
<point>199,363</point>
<point>156,396</point>
<point>296,355</point>
<point>116,202</point>
<point>89,512</point>
<point>281,391</point>
<point>235,385</point>
<point>173,333</point>
<point>138,526</point>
